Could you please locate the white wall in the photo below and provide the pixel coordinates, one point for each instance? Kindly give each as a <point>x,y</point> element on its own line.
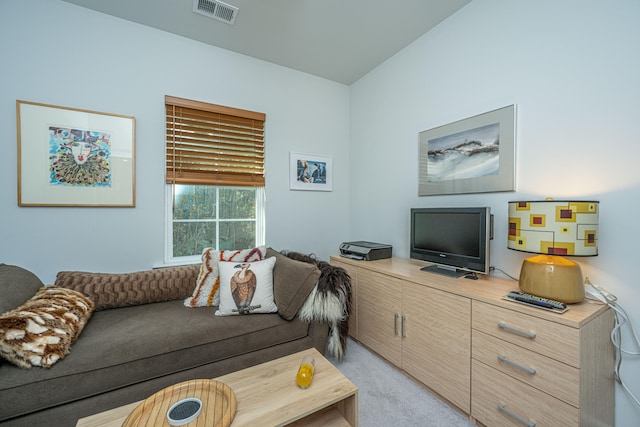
<point>61,54</point>
<point>571,67</point>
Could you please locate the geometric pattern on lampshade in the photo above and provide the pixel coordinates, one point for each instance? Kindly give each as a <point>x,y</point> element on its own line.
<point>554,227</point>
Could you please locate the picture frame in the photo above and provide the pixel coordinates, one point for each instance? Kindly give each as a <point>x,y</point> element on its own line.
<point>74,157</point>
<point>310,172</point>
<point>473,155</point>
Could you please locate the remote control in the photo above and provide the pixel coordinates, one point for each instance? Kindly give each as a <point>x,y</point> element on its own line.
<point>534,300</point>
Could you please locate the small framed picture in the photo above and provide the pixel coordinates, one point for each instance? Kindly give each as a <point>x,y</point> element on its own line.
<point>310,172</point>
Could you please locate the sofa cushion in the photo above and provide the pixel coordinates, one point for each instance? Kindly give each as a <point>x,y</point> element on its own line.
<point>293,281</point>
<point>207,291</point>
<point>128,289</point>
<point>40,332</point>
<point>246,288</point>
<point>16,286</point>
<point>134,344</point>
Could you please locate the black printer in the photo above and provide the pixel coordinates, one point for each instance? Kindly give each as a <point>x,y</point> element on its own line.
<point>367,251</point>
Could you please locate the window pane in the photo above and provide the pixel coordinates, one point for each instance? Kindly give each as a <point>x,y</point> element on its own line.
<point>237,203</point>
<point>190,238</point>
<point>237,234</point>
<point>197,222</point>
<point>194,202</point>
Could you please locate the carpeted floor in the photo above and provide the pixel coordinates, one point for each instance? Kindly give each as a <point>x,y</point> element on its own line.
<point>386,397</point>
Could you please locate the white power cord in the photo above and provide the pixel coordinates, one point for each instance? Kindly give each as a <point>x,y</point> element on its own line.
<point>621,318</point>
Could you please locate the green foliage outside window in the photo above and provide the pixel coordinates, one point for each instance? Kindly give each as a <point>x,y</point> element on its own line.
<point>211,216</point>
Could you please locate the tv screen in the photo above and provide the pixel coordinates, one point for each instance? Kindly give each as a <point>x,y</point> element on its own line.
<point>455,240</point>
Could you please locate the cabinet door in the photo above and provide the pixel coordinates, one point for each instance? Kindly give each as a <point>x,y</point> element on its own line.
<point>353,318</point>
<point>379,313</point>
<point>436,348</point>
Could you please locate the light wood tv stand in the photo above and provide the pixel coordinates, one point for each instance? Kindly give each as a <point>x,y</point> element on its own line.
<point>502,363</point>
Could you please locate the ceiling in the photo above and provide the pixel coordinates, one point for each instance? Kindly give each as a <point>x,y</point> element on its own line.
<point>340,40</point>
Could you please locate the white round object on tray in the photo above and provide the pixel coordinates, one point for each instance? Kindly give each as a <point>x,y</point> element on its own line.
<point>184,411</point>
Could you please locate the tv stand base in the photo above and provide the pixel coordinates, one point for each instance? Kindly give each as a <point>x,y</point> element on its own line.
<point>450,272</point>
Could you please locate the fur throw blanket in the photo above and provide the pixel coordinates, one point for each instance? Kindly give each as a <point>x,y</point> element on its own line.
<point>40,332</point>
<point>329,301</point>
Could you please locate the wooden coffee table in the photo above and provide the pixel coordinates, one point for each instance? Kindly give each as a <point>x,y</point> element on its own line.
<point>267,395</point>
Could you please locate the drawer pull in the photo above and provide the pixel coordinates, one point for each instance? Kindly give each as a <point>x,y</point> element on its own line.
<point>395,324</point>
<point>404,318</point>
<point>529,371</point>
<point>507,328</point>
<point>515,416</point>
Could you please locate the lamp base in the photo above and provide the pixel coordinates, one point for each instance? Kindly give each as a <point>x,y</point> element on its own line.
<point>552,277</point>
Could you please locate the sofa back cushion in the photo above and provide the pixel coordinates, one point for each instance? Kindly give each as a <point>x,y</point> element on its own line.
<point>293,281</point>
<point>128,289</point>
<point>16,286</point>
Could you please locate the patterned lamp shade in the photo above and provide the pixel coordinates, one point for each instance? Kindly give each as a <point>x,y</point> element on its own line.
<point>553,228</point>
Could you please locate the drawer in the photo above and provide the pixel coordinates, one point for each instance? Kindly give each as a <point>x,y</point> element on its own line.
<point>491,389</point>
<point>551,339</point>
<point>545,374</point>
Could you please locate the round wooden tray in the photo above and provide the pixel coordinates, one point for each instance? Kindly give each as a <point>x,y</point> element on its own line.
<point>218,405</point>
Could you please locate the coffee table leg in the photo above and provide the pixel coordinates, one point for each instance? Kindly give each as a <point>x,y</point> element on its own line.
<point>349,409</point>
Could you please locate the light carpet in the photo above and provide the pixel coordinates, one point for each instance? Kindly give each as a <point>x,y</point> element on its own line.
<point>387,397</point>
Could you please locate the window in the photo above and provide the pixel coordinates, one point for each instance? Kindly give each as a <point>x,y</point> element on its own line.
<point>215,178</point>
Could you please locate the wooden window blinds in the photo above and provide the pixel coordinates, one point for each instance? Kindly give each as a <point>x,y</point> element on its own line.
<point>213,145</point>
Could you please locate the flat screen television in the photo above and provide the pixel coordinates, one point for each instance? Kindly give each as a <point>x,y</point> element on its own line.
<point>455,240</point>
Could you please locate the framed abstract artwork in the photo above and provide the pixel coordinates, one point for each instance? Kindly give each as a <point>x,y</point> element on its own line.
<point>310,172</point>
<point>473,155</point>
<point>73,157</point>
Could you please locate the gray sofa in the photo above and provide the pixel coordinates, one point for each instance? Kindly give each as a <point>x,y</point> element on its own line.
<point>127,353</point>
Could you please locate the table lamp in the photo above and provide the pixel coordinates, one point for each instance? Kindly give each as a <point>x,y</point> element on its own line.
<point>553,228</point>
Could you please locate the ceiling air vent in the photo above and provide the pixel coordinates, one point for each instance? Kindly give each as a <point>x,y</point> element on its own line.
<point>216,9</point>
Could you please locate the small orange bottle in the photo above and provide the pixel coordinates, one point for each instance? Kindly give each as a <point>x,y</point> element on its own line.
<point>305,372</point>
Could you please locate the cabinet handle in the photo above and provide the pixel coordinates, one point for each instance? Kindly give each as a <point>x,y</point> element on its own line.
<point>507,328</point>
<point>404,318</point>
<point>529,371</point>
<point>395,324</point>
<point>515,416</point>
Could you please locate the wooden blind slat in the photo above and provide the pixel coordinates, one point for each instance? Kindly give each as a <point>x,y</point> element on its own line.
<point>204,141</point>
<point>195,145</point>
<point>212,144</point>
